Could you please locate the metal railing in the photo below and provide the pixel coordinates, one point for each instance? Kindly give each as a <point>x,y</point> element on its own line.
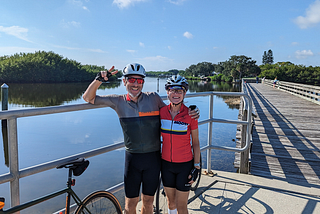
<point>304,91</point>
<point>12,115</point>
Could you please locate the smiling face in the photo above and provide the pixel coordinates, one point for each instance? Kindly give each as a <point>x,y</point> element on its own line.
<point>134,89</point>
<point>176,95</point>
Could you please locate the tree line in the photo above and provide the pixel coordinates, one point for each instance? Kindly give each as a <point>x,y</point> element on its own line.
<point>45,67</point>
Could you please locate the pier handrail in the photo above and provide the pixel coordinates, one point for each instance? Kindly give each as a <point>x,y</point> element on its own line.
<point>304,91</point>
<point>12,115</point>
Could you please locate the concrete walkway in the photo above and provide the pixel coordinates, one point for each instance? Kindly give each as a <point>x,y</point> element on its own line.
<point>240,193</point>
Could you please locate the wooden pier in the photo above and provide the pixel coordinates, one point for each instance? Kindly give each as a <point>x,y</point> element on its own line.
<point>285,137</point>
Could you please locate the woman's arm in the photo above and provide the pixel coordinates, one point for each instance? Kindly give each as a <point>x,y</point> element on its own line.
<point>196,145</point>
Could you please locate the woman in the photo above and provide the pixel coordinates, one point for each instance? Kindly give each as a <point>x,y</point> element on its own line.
<point>180,160</point>
<point>275,82</point>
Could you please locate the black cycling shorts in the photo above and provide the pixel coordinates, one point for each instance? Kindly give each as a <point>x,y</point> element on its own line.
<point>175,175</point>
<point>141,168</point>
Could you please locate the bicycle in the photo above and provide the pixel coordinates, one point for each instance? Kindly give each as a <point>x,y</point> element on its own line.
<point>161,199</point>
<point>96,202</point>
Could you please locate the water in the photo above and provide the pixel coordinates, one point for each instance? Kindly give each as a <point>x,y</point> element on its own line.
<point>49,137</point>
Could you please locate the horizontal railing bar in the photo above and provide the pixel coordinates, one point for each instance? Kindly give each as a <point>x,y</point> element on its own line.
<point>223,121</point>
<point>86,106</point>
<point>47,110</point>
<point>52,164</point>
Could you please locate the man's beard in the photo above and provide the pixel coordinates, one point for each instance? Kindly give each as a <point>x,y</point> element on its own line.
<point>134,96</point>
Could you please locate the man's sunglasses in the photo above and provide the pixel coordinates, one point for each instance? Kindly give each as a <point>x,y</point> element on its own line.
<point>133,80</point>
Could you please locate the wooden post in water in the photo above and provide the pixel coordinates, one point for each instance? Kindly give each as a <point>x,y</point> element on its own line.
<point>4,100</point>
<point>4,96</point>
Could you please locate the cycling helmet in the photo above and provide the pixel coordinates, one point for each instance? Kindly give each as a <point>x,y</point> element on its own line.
<point>177,80</point>
<point>135,69</point>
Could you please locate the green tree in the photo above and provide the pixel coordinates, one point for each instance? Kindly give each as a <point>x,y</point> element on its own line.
<point>264,58</point>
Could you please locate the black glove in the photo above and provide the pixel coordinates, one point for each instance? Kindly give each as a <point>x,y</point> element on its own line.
<point>194,107</point>
<point>194,174</point>
<point>100,78</point>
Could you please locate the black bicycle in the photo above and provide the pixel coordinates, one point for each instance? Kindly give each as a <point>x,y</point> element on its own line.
<point>96,202</point>
<point>161,204</point>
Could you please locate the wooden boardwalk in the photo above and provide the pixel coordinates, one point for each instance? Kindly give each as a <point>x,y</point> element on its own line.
<point>285,137</point>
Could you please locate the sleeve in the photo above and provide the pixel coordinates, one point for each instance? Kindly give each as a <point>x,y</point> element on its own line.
<point>160,101</point>
<point>108,100</point>
<point>194,124</point>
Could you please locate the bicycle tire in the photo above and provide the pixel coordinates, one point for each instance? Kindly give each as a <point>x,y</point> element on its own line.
<point>99,202</point>
<point>195,185</point>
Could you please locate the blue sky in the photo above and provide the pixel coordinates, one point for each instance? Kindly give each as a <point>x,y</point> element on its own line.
<point>162,34</point>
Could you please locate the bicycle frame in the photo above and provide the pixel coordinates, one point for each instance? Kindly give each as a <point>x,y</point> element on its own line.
<point>67,190</point>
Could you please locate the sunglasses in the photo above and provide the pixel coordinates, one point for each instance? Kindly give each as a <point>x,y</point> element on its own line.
<point>133,80</point>
<point>177,91</point>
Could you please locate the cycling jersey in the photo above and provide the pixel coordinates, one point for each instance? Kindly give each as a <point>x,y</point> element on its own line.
<point>176,133</point>
<point>140,120</point>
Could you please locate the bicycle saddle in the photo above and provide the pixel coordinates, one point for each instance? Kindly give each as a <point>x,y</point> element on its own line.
<point>78,166</point>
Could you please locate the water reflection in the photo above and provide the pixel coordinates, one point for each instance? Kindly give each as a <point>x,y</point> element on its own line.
<point>201,86</point>
<point>49,94</point>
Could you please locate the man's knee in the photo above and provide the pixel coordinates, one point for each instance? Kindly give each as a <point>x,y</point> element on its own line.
<point>131,204</point>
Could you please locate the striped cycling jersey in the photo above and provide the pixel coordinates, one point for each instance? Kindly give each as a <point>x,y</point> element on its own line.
<point>176,135</point>
<point>139,120</point>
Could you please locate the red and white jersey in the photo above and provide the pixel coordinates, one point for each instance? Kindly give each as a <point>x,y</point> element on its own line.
<point>176,135</point>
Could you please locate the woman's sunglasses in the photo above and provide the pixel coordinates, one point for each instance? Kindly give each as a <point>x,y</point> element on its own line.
<point>133,80</point>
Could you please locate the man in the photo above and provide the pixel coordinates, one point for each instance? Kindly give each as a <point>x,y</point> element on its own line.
<point>139,118</point>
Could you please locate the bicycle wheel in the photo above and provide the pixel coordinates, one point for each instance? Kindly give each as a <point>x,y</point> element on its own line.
<point>195,185</point>
<point>100,202</point>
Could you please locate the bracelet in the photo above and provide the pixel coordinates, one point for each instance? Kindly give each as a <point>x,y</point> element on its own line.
<point>197,164</point>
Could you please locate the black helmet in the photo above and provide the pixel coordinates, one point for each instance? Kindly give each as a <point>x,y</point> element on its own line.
<point>177,80</point>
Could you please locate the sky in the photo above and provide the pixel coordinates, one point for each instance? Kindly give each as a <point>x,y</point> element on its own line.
<point>162,34</point>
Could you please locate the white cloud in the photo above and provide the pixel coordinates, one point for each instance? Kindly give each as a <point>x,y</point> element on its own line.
<point>169,47</point>
<point>19,32</point>
<point>65,24</point>
<point>141,44</point>
<point>294,43</point>
<point>312,16</point>
<point>96,50</point>
<point>126,3</point>
<point>303,54</point>
<point>188,35</point>
<point>79,4</point>
<point>156,58</point>
<point>177,2</point>
<point>131,51</point>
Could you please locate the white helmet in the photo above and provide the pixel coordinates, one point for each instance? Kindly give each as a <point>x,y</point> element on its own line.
<point>134,69</point>
<point>177,80</point>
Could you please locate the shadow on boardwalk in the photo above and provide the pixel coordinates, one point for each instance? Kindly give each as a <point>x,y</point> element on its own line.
<point>286,136</point>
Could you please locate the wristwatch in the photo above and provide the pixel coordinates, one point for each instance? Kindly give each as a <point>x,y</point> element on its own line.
<point>197,164</point>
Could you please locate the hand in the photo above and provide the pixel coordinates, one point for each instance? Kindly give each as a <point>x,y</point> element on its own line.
<point>103,76</point>
<point>194,112</point>
<point>193,175</point>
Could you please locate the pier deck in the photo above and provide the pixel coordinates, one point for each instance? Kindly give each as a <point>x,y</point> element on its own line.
<point>286,136</point>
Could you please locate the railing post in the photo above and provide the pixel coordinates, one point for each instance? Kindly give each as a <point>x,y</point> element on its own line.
<point>13,161</point>
<point>210,133</point>
<point>244,156</point>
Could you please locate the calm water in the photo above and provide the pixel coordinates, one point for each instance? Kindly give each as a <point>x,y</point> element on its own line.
<point>49,137</point>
